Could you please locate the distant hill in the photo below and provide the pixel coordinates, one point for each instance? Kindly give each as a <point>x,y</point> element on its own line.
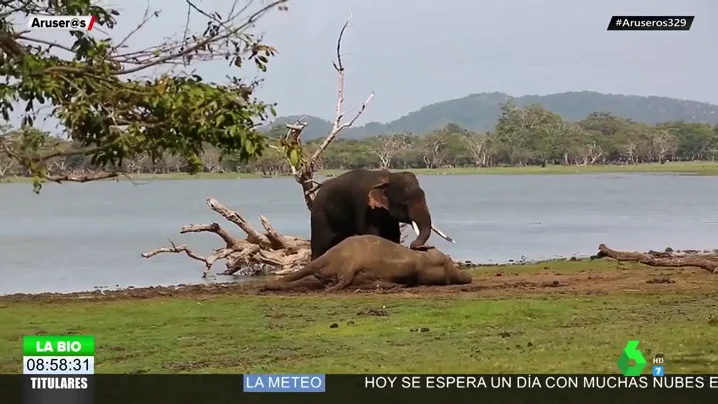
<point>479,112</point>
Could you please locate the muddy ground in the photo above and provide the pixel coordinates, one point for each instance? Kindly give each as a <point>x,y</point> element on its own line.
<point>488,282</point>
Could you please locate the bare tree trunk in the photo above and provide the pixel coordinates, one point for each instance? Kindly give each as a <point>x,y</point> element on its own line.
<point>476,144</point>
<point>386,147</point>
<point>4,167</point>
<point>303,168</point>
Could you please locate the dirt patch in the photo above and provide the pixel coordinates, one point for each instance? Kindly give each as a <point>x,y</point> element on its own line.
<point>373,312</point>
<point>660,280</point>
<point>628,281</point>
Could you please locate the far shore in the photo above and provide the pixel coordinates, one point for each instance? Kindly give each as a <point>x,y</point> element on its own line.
<point>683,168</point>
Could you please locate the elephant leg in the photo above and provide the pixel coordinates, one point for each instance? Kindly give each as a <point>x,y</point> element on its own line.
<point>373,230</point>
<point>380,223</point>
<point>322,238</point>
<point>392,232</point>
<point>367,281</point>
<point>343,280</point>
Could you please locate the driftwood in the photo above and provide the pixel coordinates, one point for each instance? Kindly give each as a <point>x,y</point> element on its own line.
<point>669,258</point>
<point>258,253</point>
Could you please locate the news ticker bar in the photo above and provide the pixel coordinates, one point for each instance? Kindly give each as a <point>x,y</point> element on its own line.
<point>316,383</point>
<point>651,23</point>
<point>332,388</point>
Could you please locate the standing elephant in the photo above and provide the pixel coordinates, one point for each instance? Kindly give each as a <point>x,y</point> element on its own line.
<point>369,202</point>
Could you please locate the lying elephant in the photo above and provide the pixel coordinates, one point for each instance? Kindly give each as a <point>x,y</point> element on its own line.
<point>358,260</point>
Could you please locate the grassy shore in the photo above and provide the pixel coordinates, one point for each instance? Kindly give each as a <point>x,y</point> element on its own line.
<point>690,168</point>
<point>685,168</point>
<point>551,317</point>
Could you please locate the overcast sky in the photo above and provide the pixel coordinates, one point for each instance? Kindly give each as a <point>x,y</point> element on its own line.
<point>417,52</point>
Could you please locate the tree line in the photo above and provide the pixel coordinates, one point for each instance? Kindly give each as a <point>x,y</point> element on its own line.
<point>523,136</point>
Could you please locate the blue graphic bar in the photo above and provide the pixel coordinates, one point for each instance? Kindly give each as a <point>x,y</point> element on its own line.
<point>284,383</point>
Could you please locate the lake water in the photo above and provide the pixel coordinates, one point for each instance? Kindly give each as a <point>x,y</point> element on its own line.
<point>77,237</point>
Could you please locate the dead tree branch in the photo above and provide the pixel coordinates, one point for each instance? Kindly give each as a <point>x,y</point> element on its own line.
<point>305,168</point>
<point>668,258</point>
<point>258,253</point>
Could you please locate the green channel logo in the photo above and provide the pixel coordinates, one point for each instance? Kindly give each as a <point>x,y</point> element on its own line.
<point>631,352</point>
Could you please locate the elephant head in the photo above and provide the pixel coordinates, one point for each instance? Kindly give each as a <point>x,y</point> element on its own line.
<point>401,195</point>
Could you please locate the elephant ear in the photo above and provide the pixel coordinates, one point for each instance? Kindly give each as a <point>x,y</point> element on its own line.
<point>377,198</point>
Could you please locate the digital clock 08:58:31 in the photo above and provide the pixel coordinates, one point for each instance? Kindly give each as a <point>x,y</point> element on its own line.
<point>59,365</point>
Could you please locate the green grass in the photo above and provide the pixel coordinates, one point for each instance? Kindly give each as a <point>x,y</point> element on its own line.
<point>467,332</point>
<point>686,168</point>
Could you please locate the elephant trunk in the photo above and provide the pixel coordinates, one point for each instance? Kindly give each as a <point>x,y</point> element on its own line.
<point>421,218</point>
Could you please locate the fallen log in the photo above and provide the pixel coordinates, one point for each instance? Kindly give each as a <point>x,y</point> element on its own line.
<point>257,254</point>
<point>668,258</point>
